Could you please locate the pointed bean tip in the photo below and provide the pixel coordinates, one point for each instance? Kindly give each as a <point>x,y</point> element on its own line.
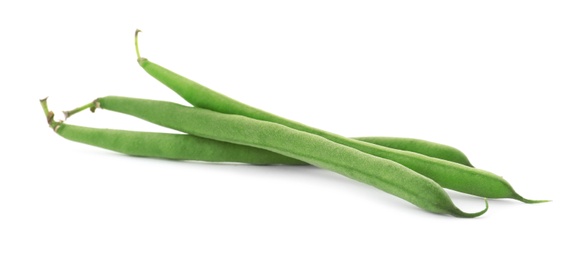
<point>462,214</point>
<point>533,201</point>
<point>136,44</point>
<point>517,196</point>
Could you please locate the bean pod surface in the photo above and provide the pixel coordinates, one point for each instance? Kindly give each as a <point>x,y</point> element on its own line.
<point>176,146</point>
<point>383,174</point>
<point>171,146</point>
<point>448,174</point>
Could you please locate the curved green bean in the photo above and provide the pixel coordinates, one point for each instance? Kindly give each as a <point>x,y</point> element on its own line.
<point>432,149</point>
<point>163,145</point>
<point>171,146</point>
<point>450,175</point>
<point>383,174</point>
<point>196,148</point>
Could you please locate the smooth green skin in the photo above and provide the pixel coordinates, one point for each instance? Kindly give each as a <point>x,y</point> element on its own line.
<point>383,174</point>
<point>170,146</point>
<point>197,148</point>
<point>424,147</point>
<point>179,146</point>
<point>448,174</point>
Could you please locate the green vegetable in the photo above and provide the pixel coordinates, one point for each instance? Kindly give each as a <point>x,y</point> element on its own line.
<point>262,157</point>
<point>170,146</point>
<point>448,174</point>
<point>189,147</point>
<point>378,172</point>
<point>423,147</point>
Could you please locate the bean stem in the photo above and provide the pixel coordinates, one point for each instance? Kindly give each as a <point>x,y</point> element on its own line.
<point>49,114</point>
<point>136,43</point>
<point>69,113</point>
<point>44,104</point>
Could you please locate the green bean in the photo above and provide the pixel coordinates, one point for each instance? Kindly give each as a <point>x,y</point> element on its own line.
<point>201,149</point>
<point>171,146</point>
<point>431,149</point>
<point>383,174</point>
<point>163,145</point>
<point>201,96</point>
<point>448,174</point>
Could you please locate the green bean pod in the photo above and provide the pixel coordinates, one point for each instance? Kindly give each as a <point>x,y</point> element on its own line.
<point>383,174</point>
<point>200,96</point>
<point>170,146</point>
<point>201,149</point>
<point>436,150</point>
<point>448,174</point>
<point>177,146</point>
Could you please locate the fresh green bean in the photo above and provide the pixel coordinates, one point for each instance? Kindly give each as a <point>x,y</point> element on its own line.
<point>200,96</point>
<point>163,145</point>
<point>448,174</point>
<point>431,149</point>
<point>196,148</point>
<point>189,147</point>
<point>171,146</point>
<point>383,174</point>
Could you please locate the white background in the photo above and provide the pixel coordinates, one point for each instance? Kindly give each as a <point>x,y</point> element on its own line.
<point>491,78</point>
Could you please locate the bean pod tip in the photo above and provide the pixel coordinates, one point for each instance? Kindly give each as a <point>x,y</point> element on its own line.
<point>458,213</point>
